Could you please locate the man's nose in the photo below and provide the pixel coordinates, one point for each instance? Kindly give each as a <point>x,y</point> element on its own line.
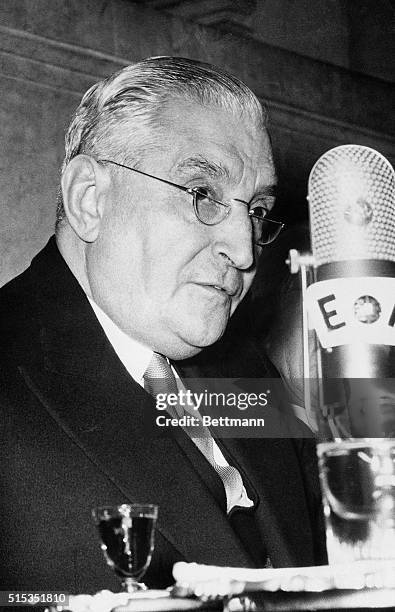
<point>234,239</point>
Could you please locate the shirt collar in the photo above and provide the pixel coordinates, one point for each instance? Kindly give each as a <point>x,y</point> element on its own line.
<point>134,356</point>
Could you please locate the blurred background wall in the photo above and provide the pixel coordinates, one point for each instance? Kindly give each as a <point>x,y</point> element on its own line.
<point>325,69</point>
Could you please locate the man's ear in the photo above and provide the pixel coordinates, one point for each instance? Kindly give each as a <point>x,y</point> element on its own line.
<point>85,184</point>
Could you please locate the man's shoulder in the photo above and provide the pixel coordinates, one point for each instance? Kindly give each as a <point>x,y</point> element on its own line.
<point>18,310</point>
<point>19,291</point>
<point>15,297</point>
<point>14,292</point>
<point>16,319</point>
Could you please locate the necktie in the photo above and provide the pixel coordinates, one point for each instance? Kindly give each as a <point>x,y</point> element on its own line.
<point>159,378</point>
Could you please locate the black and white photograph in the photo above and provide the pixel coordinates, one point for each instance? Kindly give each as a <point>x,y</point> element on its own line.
<point>197,305</point>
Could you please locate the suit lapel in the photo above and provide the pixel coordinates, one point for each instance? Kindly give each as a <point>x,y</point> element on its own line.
<point>84,387</point>
<point>281,505</point>
<point>261,462</point>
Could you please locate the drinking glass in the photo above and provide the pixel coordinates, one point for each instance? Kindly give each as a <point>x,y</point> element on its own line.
<point>127,540</point>
<point>358,486</point>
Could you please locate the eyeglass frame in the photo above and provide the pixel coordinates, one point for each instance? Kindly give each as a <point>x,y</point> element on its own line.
<point>194,192</point>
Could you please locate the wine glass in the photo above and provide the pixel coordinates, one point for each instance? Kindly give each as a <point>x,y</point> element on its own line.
<point>127,540</point>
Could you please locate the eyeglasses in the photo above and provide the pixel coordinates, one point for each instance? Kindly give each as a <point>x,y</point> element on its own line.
<point>211,212</point>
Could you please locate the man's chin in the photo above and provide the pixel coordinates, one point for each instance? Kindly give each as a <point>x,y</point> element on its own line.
<point>191,344</point>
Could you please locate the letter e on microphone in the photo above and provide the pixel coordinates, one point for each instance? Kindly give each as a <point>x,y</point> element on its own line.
<point>349,310</point>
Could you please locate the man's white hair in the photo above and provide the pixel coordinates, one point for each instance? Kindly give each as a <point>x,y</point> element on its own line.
<point>102,125</point>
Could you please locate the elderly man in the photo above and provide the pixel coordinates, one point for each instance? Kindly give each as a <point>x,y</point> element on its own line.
<point>167,180</point>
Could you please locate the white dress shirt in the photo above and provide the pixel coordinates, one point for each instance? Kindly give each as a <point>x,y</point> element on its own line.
<point>136,358</point>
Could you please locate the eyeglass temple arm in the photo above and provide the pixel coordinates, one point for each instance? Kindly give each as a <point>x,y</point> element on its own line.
<point>109,161</point>
<point>251,214</point>
<point>190,190</point>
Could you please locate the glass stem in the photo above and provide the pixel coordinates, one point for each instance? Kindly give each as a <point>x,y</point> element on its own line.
<point>130,585</point>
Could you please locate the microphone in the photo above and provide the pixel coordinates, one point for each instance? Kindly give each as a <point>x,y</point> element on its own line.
<point>351,301</point>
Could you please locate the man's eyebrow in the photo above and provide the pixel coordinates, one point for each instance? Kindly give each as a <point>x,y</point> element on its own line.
<point>268,190</point>
<point>212,169</point>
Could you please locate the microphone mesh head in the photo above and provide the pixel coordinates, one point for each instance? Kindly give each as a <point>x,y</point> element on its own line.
<point>352,209</point>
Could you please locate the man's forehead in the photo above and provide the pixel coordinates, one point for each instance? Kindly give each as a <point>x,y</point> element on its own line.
<point>226,165</point>
<point>212,142</point>
<point>185,119</point>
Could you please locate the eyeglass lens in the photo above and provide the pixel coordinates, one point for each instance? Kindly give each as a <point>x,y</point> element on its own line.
<point>265,230</point>
<point>210,213</point>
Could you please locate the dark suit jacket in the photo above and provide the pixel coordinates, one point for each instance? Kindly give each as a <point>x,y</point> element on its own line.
<point>73,437</point>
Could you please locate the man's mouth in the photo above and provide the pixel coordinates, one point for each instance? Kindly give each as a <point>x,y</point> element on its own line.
<point>229,290</point>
